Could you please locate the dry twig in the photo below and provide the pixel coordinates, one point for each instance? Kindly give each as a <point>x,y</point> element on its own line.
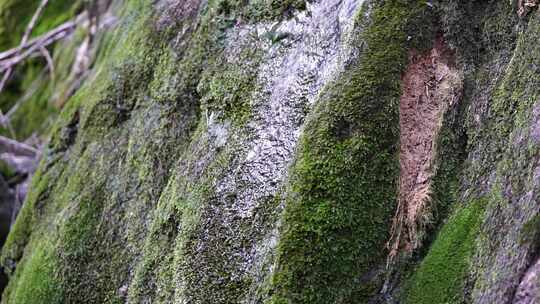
<point>11,58</point>
<point>27,95</point>
<point>9,69</point>
<point>11,146</point>
<point>29,48</point>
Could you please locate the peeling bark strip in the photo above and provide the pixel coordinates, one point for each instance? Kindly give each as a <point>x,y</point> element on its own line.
<point>430,85</point>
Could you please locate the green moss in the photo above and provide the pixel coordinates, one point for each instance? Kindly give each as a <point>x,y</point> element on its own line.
<point>449,159</point>
<point>37,284</point>
<point>102,162</point>
<point>510,104</point>
<point>227,90</point>
<point>530,231</point>
<point>167,256</point>
<point>116,140</point>
<point>72,241</point>
<point>441,276</point>
<point>504,149</point>
<point>6,171</point>
<point>344,180</point>
<point>19,235</point>
<point>81,249</point>
<point>480,30</point>
<point>154,276</point>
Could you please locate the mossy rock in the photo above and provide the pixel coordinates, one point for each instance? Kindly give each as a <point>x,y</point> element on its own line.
<point>343,181</point>
<point>442,274</point>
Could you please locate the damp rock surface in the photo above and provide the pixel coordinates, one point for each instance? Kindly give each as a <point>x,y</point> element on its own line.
<point>290,151</point>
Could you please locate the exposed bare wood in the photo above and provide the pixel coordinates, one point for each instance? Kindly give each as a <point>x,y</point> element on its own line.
<point>429,85</point>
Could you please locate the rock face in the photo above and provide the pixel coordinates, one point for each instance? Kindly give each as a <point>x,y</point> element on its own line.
<point>280,151</point>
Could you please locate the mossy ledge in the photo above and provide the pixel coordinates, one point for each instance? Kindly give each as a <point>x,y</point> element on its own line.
<point>446,266</point>
<point>343,183</point>
<point>88,214</point>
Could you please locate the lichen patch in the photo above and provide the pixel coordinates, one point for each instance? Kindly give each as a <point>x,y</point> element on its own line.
<point>431,84</point>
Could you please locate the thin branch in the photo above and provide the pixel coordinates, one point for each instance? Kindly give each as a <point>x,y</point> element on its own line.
<point>24,40</point>
<point>50,63</point>
<point>43,41</point>
<point>8,145</point>
<point>4,80</point>
<point>4,121</point>
<point>37,40</point>
<point>33,22</point>
<point>31,47</point>
<point>27,95</point>
<point>14,56</point>
<point>9,71</point>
